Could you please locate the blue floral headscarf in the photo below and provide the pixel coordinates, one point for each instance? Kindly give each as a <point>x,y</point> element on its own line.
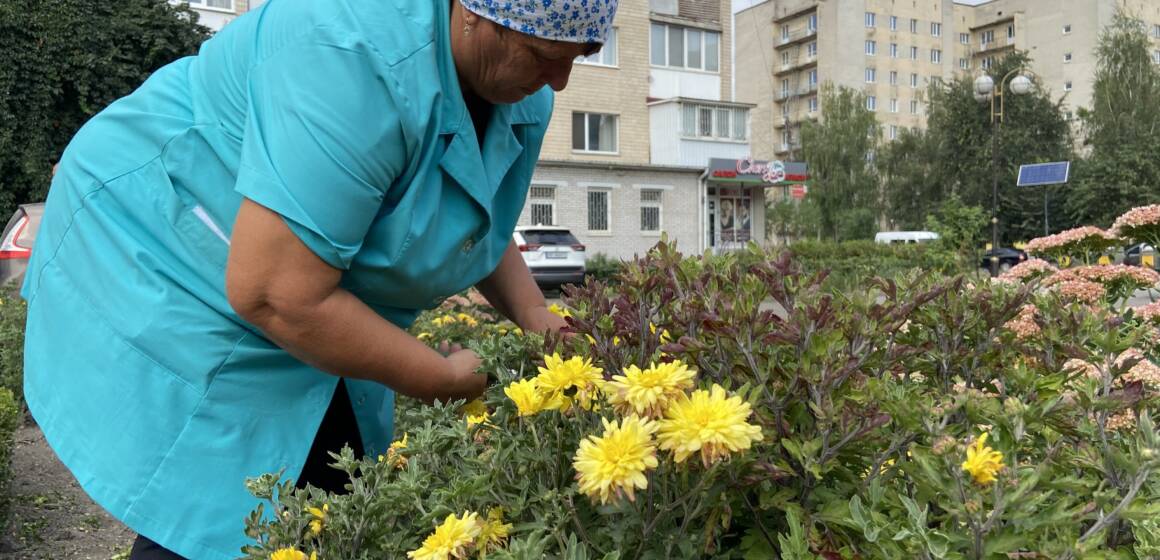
<point>574,21</point>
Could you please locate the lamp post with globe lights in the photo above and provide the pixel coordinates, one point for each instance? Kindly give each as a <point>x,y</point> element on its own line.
<point>985,91</point>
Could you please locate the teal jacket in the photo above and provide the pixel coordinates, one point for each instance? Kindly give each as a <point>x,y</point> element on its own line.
<point>343,116</point>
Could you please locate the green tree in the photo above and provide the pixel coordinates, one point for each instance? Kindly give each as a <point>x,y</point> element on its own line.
<point>1033,130</point>
<point>779,219</point>
<point>62,61</point>
<point>843,183</point>
<point>1122,128</point>
<point>911,186</point>
<point>961,230</point>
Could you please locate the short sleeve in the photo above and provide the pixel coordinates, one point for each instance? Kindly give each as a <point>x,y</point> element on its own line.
<point>323,142</point>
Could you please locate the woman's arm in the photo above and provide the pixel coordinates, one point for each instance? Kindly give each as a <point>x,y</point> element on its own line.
<point>512,290</point>
<point>280,286</point>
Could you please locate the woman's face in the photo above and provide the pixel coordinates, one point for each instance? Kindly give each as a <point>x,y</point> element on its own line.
<point>504,66</point>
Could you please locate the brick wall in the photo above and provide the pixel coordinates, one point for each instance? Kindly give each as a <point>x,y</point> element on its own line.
<point>679,216</point>
<point>621,91</point>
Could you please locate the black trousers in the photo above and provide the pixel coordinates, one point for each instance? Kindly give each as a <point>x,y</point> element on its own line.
<point>338,429</point>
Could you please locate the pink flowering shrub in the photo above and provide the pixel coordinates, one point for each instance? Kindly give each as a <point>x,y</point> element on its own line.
<point>1029,270</point>
<point>1085,243</point>
<point>1139,224</point>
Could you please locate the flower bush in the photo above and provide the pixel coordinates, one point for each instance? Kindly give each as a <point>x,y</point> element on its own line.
<point>1086,243</point>
<point>736,407</point>
<point>1140,224</point>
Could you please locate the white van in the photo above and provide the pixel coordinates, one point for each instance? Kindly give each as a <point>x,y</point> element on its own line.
<point>890,237</point>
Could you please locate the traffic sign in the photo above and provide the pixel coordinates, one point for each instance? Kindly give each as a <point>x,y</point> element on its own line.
<point>1044,174</point>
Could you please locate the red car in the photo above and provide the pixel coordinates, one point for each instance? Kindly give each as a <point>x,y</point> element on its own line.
<point>16,242</point>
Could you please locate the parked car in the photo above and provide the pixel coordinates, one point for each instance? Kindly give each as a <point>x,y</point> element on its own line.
<point>1134,255</point>
<point>892,237</point>
<point>1008,258</point>
<point>16,242</point>
<point>553,254</point>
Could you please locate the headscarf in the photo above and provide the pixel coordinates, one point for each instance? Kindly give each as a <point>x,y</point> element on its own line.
<point>573,21</point>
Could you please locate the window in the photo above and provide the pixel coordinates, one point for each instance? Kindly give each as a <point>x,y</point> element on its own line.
<point>964,64</point>
<point>813,105</point>
<point>593,132</point>
<point>935,29</point>
<point>785,58</point>
<point>914,106</point>
<point>913,25</point>
<point>1067,116</point>
<point>1156,31</point>
<point>988,62</point>
<point>936,80</point>
<point>784,32</point>
<point>871,75</point>
<point>1156,57</point>
<point>988,37</point>
<point>599,208</point>
<point>1066,57</point>
<point>893,50</point>
<point>812,49</point>
<point>813,80</point>
<point>1011,31</point>
<point>914,53</point>
<point>714,122</point>
<point>1067,29</point>
<point>894,23</point>
<point>871,103</point>
<point>812,24</point>
<point>1067,86</point>
<point>893,77</point>
<point>871,19</point>
<point>785,109</point>
<point>871,48</point>
<point>914,80</point>
<point>894,105</point>
<point>893,132</point>
<point>681,47</point>
<point>606,56</point>
<point>650,209</point>
<point>542,205</point>
<point>965,38</point>
<point>785,87</point>
<point>219,4</point>
<point>935,56</point>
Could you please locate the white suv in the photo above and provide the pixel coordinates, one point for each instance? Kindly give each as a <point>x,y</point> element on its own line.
<point>552,253</point>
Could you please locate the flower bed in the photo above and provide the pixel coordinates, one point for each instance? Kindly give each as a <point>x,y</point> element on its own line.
<point>686,418</point>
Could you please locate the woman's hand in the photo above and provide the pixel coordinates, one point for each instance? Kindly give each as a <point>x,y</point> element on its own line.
<point>465,383</point>
<point>540,319</point>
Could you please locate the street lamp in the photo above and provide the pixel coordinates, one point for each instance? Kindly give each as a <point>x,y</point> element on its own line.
<point>985,90</point>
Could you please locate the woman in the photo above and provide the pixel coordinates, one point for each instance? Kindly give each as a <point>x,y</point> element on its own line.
<point>229,255</point>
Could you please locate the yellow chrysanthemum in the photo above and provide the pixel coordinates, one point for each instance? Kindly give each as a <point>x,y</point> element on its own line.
<point>476,412</point>
<point>648,392</point>
<point>290,554</point>
<point>711,422</point>
<point>444,320</point>
<point>529,400</point>
<point>467,319</point>
<point>394,455</point>
<point>562,312</point>
<point>614,464</point>
<point>983,463</point>
<point>319,515</point>
<point>494,531</point>
<point>564,383</point>
<point>665,337</point>
<point>615,340</point>
<point>453,539</point>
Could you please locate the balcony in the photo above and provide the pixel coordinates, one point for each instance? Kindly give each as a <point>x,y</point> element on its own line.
<point>796,36</point>
<point>789,93</point>
<point>991,46</point>
<point>798,63</point>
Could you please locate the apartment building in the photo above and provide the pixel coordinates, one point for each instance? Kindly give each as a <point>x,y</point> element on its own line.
<point>892,50</point>
<point>215,14</point>
<point>647,138</point>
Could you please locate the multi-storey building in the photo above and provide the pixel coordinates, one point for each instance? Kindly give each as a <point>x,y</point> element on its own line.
<point>646,138</point>
<point>215,14</point>
<point>893,50</point>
